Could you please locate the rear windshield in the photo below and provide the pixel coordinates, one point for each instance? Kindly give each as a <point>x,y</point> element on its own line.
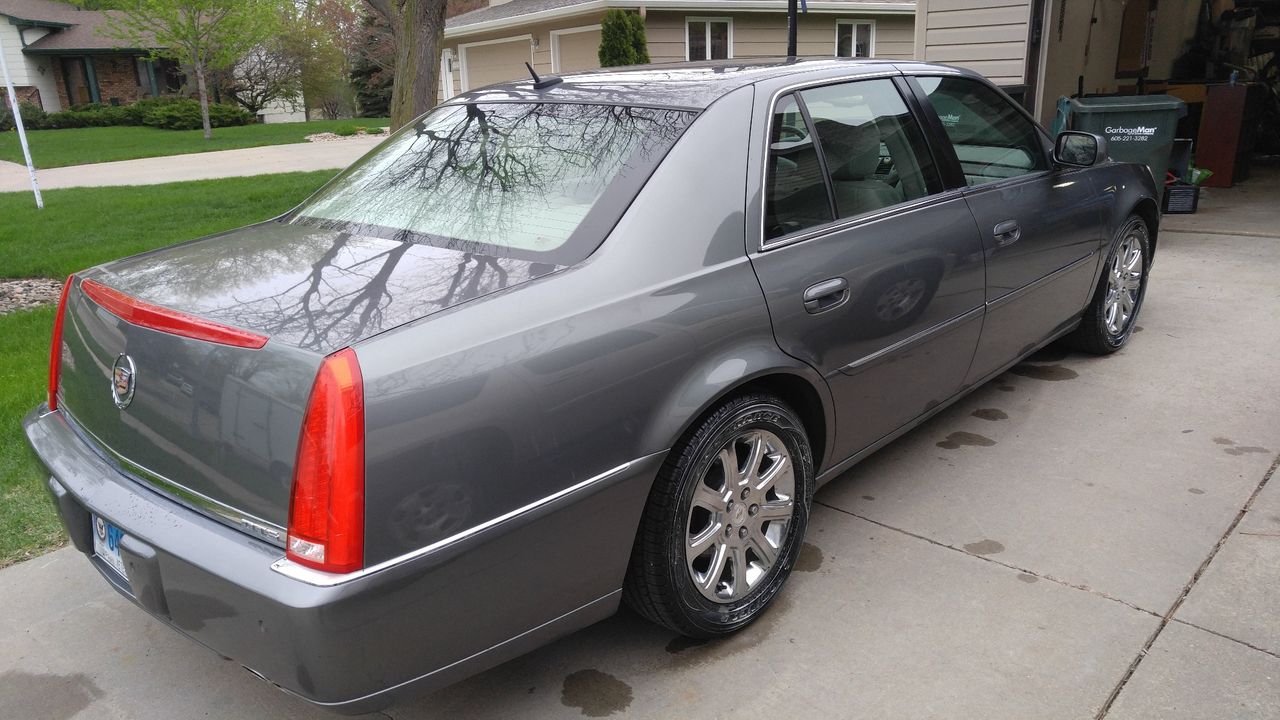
<point>540,181</point>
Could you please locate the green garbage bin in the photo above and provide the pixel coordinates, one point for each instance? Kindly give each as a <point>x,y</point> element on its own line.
<point>1138,128</point>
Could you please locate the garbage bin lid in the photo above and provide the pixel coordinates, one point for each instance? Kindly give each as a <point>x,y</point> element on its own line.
<point>1128,103</point>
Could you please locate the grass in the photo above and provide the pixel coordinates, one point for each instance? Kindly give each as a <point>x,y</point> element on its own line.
<point>79,228</point>
<point>28,525</point>
<point>79,146</point>
<point>83,227</point>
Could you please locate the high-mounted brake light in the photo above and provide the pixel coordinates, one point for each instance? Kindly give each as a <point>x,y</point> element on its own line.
<point>55,348</point>
<point>174,322</point>
<point>326,510</point>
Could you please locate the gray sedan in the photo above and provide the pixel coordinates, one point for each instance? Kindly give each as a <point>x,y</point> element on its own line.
<point>553,347</point>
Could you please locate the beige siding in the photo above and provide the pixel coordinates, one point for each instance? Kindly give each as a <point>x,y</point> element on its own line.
<point>497,62</point>
<point>765,34</point>
<point>989,36</point>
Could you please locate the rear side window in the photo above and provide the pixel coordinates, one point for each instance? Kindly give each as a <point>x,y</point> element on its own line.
<point>840,151</point>
<point>992,139</point>
<point>796,196</point>
<point>874,150</point>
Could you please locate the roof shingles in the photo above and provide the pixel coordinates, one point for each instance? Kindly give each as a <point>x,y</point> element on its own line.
<point>82,29</point>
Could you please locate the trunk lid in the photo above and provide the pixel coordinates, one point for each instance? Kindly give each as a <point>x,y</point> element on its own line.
<point>214,425</point>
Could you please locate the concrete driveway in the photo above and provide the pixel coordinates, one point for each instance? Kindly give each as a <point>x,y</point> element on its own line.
<point>1084,537</point>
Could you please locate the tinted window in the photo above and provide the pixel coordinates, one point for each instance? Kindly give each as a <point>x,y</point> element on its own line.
<point>992,138</point>
<point>511,179</point>
<point>796,194</point>
<point>874,150</point>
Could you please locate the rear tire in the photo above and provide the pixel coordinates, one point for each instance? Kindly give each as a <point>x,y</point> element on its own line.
<point>1109,320</point>
<point>724,521</point>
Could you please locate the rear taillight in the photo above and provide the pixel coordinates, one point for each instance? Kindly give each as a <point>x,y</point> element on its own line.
<point>55,348</point>
<point>326,510</point>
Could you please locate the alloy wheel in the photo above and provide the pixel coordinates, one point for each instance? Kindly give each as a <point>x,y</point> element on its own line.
<point>739,515</point>
<point>1124,284</point>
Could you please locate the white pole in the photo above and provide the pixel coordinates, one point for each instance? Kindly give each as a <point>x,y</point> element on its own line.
<point>22,132</point>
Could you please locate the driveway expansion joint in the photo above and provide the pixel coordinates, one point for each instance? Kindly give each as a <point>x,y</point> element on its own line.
<point>987,558</point>
<point>1238,641</point>
<point>1186,590</point>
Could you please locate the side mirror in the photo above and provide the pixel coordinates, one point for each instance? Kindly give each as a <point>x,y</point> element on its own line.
<point>1079,149</point>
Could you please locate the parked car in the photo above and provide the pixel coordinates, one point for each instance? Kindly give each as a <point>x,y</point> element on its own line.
<point>550,348</point>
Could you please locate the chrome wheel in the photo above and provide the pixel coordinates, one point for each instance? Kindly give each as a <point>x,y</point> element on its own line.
<point>1124,284</point>
<point>739,515</point>
<point>899,299</point>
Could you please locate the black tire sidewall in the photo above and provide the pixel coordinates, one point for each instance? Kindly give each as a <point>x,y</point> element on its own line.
<point>707,617</point>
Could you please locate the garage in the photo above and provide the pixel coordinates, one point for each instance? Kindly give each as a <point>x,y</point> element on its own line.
<point>575,49</point>
<point>494,61</point>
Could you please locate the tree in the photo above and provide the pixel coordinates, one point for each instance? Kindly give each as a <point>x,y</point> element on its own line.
<point>622,40</point>
<point>202,35</point>
<point>267,74</point>
<point>417,28</point>
<point>371,70</point>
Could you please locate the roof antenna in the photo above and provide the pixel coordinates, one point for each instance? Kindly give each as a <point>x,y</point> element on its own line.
<point>540,83</point>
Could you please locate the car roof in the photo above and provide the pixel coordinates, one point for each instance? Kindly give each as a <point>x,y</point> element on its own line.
<point>690,85</point>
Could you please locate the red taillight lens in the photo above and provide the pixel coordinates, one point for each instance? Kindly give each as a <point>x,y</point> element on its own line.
<point>174,322</point>
<point>55,348</point>
<point>326,511</point>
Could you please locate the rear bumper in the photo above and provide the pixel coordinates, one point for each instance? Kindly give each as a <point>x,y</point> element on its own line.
<point>355,646</point>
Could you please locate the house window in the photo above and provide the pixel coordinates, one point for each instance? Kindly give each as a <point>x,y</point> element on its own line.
<point>855,38</point>
<point>708,38</point>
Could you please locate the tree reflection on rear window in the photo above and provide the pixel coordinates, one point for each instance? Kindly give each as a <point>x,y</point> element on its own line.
<point>535,180</point>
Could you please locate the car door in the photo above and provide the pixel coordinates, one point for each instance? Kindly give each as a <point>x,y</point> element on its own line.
<point>871,270</point>
<point>1041,227</point>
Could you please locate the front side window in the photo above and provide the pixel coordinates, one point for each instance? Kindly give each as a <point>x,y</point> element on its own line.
<point>530,180</point>
<point>855,38</point>
<point>992,139</point>
<point>708,38</point>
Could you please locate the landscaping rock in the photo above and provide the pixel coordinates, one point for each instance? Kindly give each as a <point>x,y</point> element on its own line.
<point>28,293</point>
<point>333,137</point>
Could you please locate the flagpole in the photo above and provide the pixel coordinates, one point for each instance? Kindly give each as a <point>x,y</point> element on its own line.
<point>22,132</point>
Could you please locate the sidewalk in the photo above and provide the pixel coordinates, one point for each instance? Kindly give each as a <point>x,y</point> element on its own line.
<point>298,157</point>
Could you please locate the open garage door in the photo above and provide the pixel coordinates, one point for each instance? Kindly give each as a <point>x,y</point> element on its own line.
<point>577,49</point>
<point>496,61</point>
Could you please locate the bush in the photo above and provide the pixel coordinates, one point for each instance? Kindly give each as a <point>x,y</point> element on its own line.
<point>184,114</point>
<point>33,118</point>
<point>90,115</point>
<point>622,39</point>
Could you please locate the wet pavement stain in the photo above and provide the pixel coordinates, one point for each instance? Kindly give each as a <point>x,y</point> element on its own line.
<point>810,558</point>
<point>597,694</point>
<point>1184,432</point>
<point>1224,441</point>
<point>984,547</point>
<point>1243,449</point>
<point>956,439</point>
<point>55,697</point>
<point>1195,491</point>
<point>868,497</point>
<point>1006,388</point>
<point>1044,372</point>
<point>680,643</point>
<point>990,414</point>
<point>1028,578</point>
<point>1138,328</point>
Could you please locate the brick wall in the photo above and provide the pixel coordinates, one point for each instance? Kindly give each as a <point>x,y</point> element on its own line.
<point>28,94</point>
<point>118,79</point>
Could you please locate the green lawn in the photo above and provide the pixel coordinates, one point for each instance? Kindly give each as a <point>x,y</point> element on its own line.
<point>78,146</point>
<point>79,228</point>
<point>28,525</point>
<point>82,227</point>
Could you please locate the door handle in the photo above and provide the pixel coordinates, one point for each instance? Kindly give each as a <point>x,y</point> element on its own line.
<point>1007,233</point>
<point>826,295</point>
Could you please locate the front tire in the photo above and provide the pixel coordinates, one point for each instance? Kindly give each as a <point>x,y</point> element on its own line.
<point>724,521</point>
<point>1109,320</point>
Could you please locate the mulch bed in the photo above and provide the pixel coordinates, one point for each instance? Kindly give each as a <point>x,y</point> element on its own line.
<point>28,293</point>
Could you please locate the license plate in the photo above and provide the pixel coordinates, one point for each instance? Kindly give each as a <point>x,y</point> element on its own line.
<point>106,544</point>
